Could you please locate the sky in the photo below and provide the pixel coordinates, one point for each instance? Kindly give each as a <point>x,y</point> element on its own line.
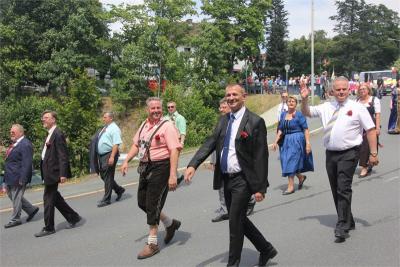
<point>299,17</point>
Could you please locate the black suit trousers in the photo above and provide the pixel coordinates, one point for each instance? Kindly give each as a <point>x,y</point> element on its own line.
<point>237,196</point>
<point>340,166</point>
<point>107,175</point>
<point>52,199</point>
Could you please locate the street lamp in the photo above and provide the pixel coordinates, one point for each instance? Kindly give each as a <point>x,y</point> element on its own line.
<point>287,68</point>
<point>312,53</point>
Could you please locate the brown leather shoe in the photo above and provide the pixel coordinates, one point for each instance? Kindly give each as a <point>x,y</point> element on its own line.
<point>170,231</point>
<point>148,251</point>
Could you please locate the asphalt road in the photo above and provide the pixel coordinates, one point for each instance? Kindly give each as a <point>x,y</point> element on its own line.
<point>300,225</point>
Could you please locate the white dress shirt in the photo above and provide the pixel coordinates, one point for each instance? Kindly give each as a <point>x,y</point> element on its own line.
<point>281,108</point>
<point>47,140</point>
<point>348,128</point>
<point>233,163</point>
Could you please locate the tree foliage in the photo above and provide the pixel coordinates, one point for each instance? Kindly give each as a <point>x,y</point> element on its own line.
<point>276,44</point>
<point>43,41</point>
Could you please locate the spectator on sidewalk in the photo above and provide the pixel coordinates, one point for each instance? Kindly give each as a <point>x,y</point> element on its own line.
<point>17,174</point>
<point>157,145</point>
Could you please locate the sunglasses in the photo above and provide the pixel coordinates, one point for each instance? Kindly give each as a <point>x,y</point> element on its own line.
<point>171,106</point>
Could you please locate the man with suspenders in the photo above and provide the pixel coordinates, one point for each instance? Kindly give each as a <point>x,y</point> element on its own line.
<point>157,146</point>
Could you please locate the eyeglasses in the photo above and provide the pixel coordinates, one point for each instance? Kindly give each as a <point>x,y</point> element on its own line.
<point>170,106</point>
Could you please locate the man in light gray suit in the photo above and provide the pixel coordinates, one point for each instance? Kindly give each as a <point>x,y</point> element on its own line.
<point>18,173</point>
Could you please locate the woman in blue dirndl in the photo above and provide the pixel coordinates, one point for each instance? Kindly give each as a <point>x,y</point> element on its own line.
<point>295,151</point>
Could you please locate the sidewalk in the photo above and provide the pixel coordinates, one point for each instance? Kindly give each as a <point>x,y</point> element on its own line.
<point>92,184</point>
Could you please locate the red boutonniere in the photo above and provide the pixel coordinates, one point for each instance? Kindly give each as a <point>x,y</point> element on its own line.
<point>157,137</point>
<point>244,134</point>
<point>48,144</point>
<point>349,113</point>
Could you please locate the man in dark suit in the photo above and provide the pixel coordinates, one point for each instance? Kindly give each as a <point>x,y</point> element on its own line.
<point>55,169</point>
<point>17,174</point>
<point>240,142</point>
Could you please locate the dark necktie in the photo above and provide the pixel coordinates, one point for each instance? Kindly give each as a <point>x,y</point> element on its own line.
<point>225,149</point>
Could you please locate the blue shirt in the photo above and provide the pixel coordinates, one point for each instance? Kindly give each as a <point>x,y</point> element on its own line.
<point>109,137</point>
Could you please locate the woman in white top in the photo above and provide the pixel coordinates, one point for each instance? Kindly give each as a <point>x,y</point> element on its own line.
<point>373,106</point>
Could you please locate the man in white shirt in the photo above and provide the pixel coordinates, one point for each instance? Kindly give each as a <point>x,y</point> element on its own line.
<point>343,121</point>
<point>282,107</point>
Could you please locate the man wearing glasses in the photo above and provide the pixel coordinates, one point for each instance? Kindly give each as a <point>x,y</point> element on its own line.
<point>177,119</point>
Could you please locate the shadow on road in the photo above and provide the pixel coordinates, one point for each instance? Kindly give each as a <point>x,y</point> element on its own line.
<point>329,220</point>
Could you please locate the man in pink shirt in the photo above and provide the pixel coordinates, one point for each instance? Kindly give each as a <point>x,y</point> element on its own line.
<point>157,145</point>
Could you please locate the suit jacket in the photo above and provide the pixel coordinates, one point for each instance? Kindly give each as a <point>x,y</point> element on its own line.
<point>56,161</point>
<point>18,164</point>
<point>93,156</point>
<point>251,151</point>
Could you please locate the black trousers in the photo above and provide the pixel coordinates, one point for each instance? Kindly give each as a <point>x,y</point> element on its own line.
<point>340,166</point>
<point>237,196</point>
<point>107,175</point>
<point>52,199</point>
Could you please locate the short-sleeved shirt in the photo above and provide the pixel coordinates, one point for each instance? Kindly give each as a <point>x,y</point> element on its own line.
<point>109,137</point>
<point>165,139</point>
<point>373,101</point>
<point>179,121</point>
<point>348,128</point>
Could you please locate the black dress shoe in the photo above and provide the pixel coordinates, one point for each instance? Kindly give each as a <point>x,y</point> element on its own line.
<point>265,257</point>
<point>300,186</point>
<point>45,232</point>
<point>119,195</point>
<point>74,223</point>
<point>12,224</point>
<point>340,236</point>
<point>30,217</point>
<point>287,192</point>
<point>221,218</point>
<point>103,204</point>
<point>170,231</point>
<point>339,239</point>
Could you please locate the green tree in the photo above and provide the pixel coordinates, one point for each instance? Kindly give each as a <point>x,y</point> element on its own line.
<point>79,113</point>
<point>364,37</point>
<point>43,41</point>
<point>238,27</point>
<point>299,51</point>
<point>277,33</point>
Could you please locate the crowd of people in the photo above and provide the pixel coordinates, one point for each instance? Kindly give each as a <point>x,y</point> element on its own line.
<point>239,149</point>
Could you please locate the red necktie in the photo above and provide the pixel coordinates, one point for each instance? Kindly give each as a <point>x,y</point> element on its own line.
<point>8,151</point>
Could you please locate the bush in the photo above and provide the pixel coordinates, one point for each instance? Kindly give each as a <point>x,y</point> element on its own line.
<point>200,119</point>
<point>77,117</point>
<point>26,112</point>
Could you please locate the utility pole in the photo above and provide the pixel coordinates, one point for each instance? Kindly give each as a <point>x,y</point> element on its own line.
<point>312,53</point>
